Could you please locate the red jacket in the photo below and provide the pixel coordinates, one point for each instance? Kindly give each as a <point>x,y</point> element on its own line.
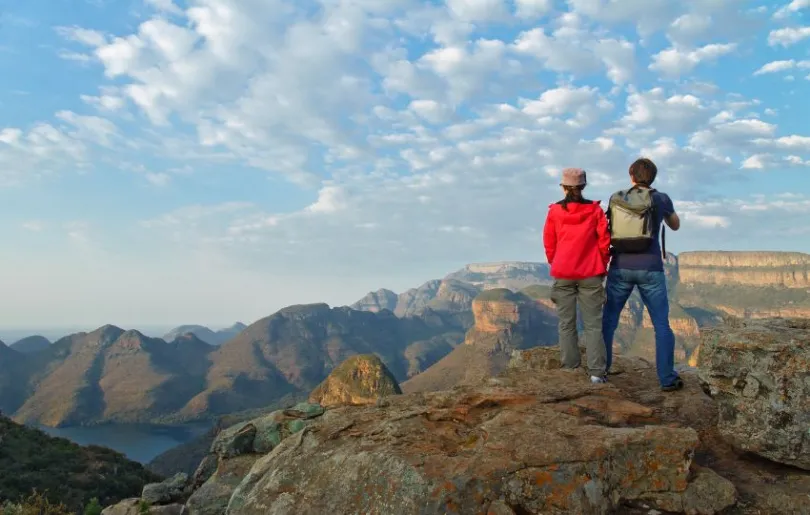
<point>577,241</point>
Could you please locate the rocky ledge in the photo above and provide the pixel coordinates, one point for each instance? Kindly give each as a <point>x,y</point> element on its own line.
<point>536,439</point>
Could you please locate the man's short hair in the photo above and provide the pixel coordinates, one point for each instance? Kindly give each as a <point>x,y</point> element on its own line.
<point>643,171</point>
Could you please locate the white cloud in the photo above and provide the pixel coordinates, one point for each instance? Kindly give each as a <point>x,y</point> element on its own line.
<point>755,162</point>
<point>33,226</point>
<point>776,66</point>
<point>573,49</point>
<point>676,62</point>
<point>408,134</point>
<point>478,10</point>
<point>793,7</point>
<point>533,8</point>
<point>669,113</point>
<point>158,179</point>
<point>788,36</point>
<point>167,6</point>
<point>792,142</point>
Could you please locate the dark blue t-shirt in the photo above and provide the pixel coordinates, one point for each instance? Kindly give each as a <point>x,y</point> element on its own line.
<point>651,260</point>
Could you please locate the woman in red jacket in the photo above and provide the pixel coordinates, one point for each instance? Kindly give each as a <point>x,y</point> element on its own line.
<point>577,245</point>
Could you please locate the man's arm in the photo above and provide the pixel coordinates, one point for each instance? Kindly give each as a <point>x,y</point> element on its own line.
<point>668,213</point>
<point>673,221</point>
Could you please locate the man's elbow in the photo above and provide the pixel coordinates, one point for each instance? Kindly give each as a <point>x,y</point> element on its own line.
<point>673,221</point>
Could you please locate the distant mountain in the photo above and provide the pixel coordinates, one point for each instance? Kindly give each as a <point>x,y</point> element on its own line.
<point>513,275</point>
<point>65,472</point>
<point>113,375</point>
<point>205,334</point>
<point>457,290</point>
<point>295,349</point>
<point>13,375</point>
<point>30,344</point>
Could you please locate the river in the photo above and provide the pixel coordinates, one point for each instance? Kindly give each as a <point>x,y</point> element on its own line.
<point>139,442</point>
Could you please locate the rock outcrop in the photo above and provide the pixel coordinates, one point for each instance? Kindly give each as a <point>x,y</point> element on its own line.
<point>237,448</point>
<point>359,380</point>
<point>759,374</point>
<point>475,450</point>
<point>377,301</point>
<point>504,321</point>
<point>446,295</point>
<point>232,455</point>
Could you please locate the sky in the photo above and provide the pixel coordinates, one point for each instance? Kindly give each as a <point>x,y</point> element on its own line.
<point>206,161</point>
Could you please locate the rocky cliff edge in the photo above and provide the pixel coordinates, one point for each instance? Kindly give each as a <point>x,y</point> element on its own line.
<point>533,440</point>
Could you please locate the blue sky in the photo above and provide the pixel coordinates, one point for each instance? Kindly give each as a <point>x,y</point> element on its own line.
<point>212,160</point>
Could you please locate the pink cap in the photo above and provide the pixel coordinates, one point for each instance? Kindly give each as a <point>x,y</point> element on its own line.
<point>573,177</point>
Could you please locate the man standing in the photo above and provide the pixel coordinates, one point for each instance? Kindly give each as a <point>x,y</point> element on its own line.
<point>637,260</point>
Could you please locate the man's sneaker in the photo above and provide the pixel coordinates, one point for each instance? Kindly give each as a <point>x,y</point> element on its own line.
<point>598,379</point>
<point>676,385</point>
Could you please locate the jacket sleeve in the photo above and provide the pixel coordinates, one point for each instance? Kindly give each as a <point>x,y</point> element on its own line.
<point>550,237</point>
<point>603,237</point>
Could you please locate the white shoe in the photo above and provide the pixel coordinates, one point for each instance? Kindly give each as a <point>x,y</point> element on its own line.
<point>598,379</point>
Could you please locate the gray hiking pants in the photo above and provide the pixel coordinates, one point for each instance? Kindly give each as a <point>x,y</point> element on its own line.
<point>590,295</point>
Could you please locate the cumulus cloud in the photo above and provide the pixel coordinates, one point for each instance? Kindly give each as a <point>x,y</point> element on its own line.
<point>408,132</point>
<point>788,36</point>
<point>780,66</point>
<point>676,62</point>
<point>791,8</point>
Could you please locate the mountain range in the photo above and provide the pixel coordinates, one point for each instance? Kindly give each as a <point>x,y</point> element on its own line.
<point>115,375</point>
<point>205,334</point>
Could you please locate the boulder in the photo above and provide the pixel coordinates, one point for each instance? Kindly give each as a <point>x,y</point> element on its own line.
<point>706,494</point>
<point>360,379</point>
<point>213,496</point>
<point>126,507</point>
<point>261,434</point>
<point>237,448</point>
<point>526,442</point>
<point>167,492</point>
<point>759,374</point>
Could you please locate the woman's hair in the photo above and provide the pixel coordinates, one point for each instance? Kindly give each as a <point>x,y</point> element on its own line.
<point>573,194</point>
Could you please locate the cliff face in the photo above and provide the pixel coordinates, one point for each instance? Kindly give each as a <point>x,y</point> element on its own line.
<point>704,286</point>
<point>759,269</point>
<point>504,321</point>
<point>746,284</point>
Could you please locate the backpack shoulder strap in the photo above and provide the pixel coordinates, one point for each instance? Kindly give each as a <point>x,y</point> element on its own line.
<point>663,228</point>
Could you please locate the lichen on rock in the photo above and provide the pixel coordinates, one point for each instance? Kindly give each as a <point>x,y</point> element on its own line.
<point>759,375</point>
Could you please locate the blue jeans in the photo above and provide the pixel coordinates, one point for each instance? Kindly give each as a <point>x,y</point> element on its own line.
<point>653,289</point>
